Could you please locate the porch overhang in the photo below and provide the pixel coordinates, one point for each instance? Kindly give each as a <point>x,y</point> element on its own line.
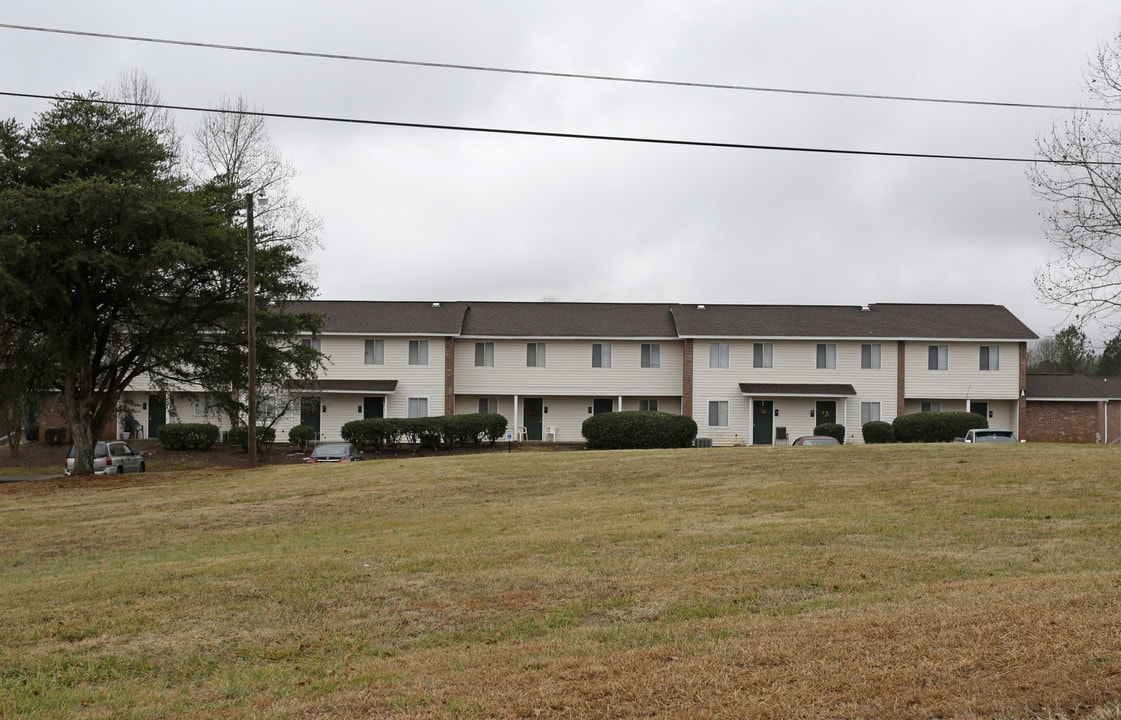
<point>344,387</point>
<point>807,390</point>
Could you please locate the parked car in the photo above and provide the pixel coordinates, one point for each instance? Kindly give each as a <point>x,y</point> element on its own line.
<point>111,457</point>
<point>988,435</point>
<point>335,453</point>
<point>815,440</point>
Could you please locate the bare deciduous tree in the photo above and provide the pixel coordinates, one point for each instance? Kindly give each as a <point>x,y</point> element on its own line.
<point>1079,176</point>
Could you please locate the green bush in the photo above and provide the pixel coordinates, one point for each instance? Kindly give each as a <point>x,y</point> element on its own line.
<point>188,436</point>
<point>877,431</point>
<point>266,436</point>
<point>638,429</point>
<point>300,436</point>
<point>935,426</point>
<point>429,432</point>
<point>833,430</point>
<point>55,435</point>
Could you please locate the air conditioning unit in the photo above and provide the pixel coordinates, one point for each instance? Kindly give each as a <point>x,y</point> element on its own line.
<point>704,442</point>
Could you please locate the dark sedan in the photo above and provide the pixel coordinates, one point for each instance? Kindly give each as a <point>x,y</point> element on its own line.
<point>335,453</point>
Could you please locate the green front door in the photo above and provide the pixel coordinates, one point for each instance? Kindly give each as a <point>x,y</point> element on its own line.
<point>373,407</point>
<point>157,414</point>
<point>763,422</point>
<point>532,418</point>
<point>826,412</point>
<point>309,411</point>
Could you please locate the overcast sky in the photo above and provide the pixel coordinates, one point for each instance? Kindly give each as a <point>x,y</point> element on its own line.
<point>419,214</point>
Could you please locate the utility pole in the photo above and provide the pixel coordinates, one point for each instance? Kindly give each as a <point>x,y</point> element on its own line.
<point>251,326</point>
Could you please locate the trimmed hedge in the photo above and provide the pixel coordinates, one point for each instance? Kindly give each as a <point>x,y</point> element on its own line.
<point>448,430</point>
<point>300,436</point>
<point>239,435</point>
<point>935,426</point>
<point>188,436</point>
<point>638,429</point>
<point>877,431</point>
<point>833,430</point>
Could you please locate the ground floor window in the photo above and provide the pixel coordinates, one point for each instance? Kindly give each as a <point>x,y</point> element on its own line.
<point>931,406</point>
<point>718,413</point>
<point>869,412</point>
<point>418,407</point>
<point>650,405</point>
<point>488,405</point>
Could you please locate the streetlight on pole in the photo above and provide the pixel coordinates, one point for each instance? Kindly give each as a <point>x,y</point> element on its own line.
<point>251,323</point>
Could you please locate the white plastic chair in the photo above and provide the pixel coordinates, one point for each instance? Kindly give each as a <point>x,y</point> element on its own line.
<point>551,432</point>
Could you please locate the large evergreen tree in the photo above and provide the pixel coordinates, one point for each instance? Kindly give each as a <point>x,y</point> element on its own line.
<point>118,263</point>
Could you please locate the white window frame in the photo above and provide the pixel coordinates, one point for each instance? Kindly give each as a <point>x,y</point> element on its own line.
<point>990,358</point>
<point>601,355</point>
<point>374,352</point>
<point>870,354</point>
<point>488,405</point>
<point>827,356</point>
<point>416,405</point>
<point>535,354</point>
<point>718,410</point>
<point>763,355</point>
<point>418,352</point>
<point>484,354</point>
<point>648,404</point>
<point>316,343</point>
<point>938,358</point>
<point>203,405</point>
<point>650,355</point>
<point>719,355</point>
<point>930,406</point>
<point>869,412</point>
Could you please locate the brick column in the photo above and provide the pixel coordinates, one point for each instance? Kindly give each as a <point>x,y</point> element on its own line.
<point>901,379</point>
<point>1021,401</point>
<point>449,376</point>
<point>687,378</point>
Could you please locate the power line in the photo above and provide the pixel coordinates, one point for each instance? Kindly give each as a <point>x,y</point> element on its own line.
<point>545,134</point>
<point>545,73</point>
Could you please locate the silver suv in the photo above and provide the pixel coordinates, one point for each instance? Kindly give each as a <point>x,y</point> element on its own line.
<point>110,457</point>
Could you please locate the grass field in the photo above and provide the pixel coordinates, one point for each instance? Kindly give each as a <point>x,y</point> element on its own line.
<point>871,581</point>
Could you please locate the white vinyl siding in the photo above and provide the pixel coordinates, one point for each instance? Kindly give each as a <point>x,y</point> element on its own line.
<point>961,380</point>
<point>601,355</point>
<point>650,355</point>
<point>719,355</point>
<point>763,355</point>
<point>484,354</point>
<point>870,356</point>
<point>374,352</point>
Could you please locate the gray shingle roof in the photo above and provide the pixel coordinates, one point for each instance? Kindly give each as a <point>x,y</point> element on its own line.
<point>1043,386</point>
<point>591,320</point>
<point>807,389</point>
<point>898,321</point>
<point>389,318</point>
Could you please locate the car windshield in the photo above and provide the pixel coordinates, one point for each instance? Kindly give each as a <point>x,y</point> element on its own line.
<point>331,450</point>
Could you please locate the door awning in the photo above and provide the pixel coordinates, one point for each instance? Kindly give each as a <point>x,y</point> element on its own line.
<point>347,387</point>
<point>814,390</point>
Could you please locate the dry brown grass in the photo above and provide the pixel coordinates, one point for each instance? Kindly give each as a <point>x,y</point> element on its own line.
<point>913,582</point>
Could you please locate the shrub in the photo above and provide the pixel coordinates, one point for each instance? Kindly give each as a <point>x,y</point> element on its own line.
<point>366,434</point>
<point>935,426</point>
<point>55,435</point>
<point>266,436</point>
<point>834,430</point>
<point>188,436</point>
<point>300,436</point>
<point>31,433</point>
<point>877,431</point>
<point>638,430</point>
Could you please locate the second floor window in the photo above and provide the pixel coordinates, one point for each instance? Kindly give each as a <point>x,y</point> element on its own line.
<point>650,356</point>
<point>418,354</point>
<point>990,357</point>
<point>870,356</point>
<point>375,352</point>
<point>826,356</point>
<point>938,357</point>
<point>535,355</point>
<point>718,355</point>
<point>763,355</point>
<point>484,354</point>
<point>314,343</point>
<point>601,355</point>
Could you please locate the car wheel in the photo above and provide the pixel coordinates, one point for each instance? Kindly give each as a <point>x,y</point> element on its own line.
<point>142,468</point>
<point>120,469</point>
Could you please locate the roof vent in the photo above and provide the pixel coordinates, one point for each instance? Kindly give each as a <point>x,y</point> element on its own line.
<point>435,304</point>
<point>700,307</point>
<point>865,308</point>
